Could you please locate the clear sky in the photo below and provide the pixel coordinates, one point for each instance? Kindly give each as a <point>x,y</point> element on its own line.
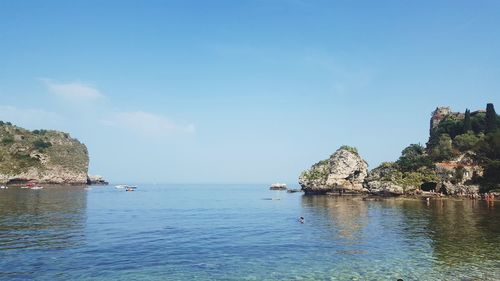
<point>247,91</point>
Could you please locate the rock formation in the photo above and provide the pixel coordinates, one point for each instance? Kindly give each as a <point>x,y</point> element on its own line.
<point>344,170</point>
<point>96,180</point>
<point>381,181</point>
<point>43,156</point>
<point>278,186</point>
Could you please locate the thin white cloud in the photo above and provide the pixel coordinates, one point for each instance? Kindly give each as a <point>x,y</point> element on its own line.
<point>147,123</point>
<point>75,91</point>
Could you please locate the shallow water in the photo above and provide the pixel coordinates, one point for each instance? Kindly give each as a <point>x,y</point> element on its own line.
<point>234,232</point>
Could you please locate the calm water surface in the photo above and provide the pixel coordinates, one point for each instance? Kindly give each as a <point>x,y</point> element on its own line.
<point>234,232</point>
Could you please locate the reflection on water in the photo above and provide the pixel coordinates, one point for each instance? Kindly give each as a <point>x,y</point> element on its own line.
<point>202,232</point>
<point>446,238</point>
<point>349,217</point>
<point>464,232</point>
<point>42,219</point>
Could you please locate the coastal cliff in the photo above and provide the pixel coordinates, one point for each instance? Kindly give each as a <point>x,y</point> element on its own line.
<point>462,157</point>
<point>44,156</point>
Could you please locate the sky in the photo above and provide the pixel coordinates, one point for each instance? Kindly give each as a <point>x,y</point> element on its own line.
<point>247,91</point>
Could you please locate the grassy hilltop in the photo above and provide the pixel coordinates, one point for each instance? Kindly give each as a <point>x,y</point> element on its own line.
<point>46,156</point>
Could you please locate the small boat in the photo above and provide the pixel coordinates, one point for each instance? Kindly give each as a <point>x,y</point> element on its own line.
<point>4,187</point>
<point>126,187</point>
<point>36,187</point>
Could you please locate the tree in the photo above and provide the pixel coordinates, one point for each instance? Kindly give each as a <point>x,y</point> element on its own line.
<point>443,150</point>
<point>413,157</point>
<point>491,118</point>
<point>492,172</point>
<point>467,121</point>
<point>465,141</point>
<point>488,148</point>
<point>478,121</point>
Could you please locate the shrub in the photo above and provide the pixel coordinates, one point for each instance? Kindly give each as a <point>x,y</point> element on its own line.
<point>465,141</point>
<point>7,140</point>
<point>349,148</point>
<point>443,150</point>
<point>413,157</point>
<point>41,144</point>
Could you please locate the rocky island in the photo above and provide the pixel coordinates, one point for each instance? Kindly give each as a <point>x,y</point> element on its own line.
<point>462,157</point>
<point>44,156</point>
<point>344,170</point>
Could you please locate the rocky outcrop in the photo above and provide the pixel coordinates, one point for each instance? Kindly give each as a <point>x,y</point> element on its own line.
<point>459,189</point>
<point>278,186</point>
<point>42,156</point>
<point>344,170</point>
<point>382,181</point>
<point>96,180</point>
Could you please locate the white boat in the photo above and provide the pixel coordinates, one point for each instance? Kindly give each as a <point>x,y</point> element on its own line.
<point>36,187</point>
<point>3,187</point>
<point>126,186</point>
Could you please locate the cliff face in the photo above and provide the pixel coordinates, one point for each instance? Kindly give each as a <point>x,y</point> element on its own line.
<point>42,156</point>
<point>345,169</point>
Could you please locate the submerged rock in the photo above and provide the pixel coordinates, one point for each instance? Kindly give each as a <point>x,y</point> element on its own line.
<point>344,170</point>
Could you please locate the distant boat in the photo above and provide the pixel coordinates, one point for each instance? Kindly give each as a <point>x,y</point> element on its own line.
<point>126,187</point>
<point>131,188</point>
<point>36,187</point>
<point>4,187</point>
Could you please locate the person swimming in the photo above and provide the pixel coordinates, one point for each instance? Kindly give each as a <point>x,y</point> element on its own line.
<point>302,220</point>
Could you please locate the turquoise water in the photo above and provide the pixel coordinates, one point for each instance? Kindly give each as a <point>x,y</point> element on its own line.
<point>234,232</point>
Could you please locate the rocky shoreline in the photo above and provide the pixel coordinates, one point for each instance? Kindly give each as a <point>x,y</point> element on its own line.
<point>346,173</point>
<point>460,159</point>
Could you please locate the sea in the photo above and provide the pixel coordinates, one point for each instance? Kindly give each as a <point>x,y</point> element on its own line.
<point>241,232</point>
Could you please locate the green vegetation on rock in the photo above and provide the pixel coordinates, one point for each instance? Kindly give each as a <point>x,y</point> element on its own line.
<point>43,155</point>
<point>349,148</point>
<point>473,135</point>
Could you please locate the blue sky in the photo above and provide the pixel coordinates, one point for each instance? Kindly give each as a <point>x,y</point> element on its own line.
<point>250,91</point>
